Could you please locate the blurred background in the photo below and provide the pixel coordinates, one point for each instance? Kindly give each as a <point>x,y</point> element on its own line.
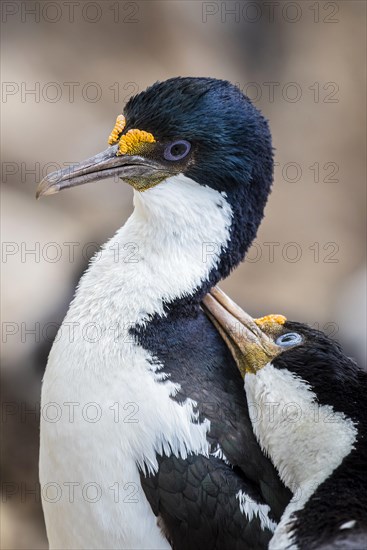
<point>67,70</point>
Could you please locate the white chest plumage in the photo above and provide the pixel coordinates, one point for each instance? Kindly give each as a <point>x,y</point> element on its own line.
<point>306,441</point>
<point>103,411</point>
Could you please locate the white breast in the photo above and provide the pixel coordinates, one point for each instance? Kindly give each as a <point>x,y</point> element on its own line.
<point>102,389</point>
<point>306,441</point>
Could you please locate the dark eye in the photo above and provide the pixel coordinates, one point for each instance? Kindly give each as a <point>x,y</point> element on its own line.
<point>177,150</point>
<point>289,339</point>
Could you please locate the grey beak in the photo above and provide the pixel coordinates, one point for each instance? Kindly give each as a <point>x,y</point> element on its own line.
<point>103,165</point>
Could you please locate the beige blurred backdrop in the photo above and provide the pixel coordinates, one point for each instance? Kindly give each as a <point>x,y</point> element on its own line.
<point>67,69</point>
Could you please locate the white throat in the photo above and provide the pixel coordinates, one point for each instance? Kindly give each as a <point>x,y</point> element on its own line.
<point>306,441</point>
<point>165,251</point>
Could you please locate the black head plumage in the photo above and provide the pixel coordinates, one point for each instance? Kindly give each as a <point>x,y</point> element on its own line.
<point>335,378</point>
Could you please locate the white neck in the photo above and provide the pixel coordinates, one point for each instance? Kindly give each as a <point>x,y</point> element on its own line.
<point>306,441</point>
<point>165,250</point>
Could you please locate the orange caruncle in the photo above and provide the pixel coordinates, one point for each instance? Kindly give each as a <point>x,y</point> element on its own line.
<point>117,129</point>
<point>129,142</point>
<point>270,320</point>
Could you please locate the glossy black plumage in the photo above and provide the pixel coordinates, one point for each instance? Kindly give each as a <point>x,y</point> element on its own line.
<point>196,502</point>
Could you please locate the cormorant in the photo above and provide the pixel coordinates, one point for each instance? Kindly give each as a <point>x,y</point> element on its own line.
<point>153,446</point>
<point>306,401</point>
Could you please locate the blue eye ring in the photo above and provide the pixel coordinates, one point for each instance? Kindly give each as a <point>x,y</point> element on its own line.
<point>177,150</point>
<point>289,340</point>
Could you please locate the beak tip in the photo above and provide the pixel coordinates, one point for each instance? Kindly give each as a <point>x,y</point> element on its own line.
<point>46,188</point>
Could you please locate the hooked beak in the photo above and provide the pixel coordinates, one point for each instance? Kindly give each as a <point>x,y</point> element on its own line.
<point>252,348</point>
<point>140,172</point>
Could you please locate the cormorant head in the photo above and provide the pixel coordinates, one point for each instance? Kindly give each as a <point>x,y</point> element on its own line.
<point>297,351</point>
<point>201,133</point>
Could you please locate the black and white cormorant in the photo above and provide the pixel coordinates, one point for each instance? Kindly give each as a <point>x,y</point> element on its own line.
<point>152,446</point>
<point>307,403</point>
